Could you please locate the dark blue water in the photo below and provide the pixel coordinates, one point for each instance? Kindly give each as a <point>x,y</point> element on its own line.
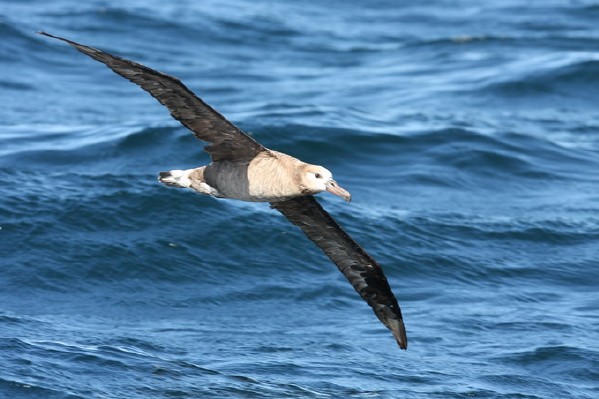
<point>468,135</point>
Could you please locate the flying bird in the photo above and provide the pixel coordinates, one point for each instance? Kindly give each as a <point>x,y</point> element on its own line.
<point>243,169</point>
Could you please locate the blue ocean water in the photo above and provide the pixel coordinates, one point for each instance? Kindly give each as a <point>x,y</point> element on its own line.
<point>468,134</point>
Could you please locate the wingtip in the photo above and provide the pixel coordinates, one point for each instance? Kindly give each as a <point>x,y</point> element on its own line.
<point>402,344</point>
<point>398,329</point>
<point>41,32</point>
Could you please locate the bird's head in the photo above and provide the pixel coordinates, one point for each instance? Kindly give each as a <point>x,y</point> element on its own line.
<point>316,179</point>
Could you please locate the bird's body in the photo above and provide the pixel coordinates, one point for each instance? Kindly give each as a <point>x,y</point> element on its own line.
<point>271,176</point>
<point>243,169</point>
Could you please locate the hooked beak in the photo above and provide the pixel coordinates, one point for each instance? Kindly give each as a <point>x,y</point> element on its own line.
<point>334,188</point>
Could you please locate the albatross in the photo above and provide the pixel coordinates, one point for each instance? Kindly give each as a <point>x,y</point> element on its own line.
<point>243,169</point>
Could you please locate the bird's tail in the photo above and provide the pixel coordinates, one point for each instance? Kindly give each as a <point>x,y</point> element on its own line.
<point>176,178</point>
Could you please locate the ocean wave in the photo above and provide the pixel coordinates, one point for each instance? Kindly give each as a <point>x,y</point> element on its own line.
<point>567,363</point>
<point>16,388</point>
<point>130,149</point>
<point>579,75</point>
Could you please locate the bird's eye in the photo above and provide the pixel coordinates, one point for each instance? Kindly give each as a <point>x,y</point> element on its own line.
<point>317,175</point>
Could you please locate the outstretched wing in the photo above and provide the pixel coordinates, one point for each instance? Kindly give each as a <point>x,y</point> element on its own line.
<point>364,274</point>
<point>226,141</point>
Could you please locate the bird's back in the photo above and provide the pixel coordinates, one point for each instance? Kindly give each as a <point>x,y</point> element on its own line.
<point>269,177</point>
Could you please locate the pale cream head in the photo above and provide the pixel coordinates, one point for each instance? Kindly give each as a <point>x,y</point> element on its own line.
<point>316,179</point>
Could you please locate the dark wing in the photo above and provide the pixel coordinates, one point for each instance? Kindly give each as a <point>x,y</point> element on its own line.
<point>361,270</point>
<point>226,140</point>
